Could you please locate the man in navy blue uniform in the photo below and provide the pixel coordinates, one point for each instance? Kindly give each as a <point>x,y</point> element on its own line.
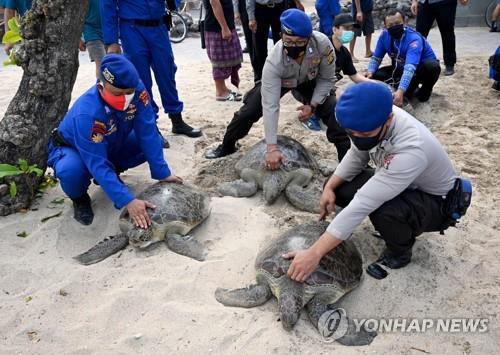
<point>140,26</point>
<point>413,60</point>
<point>109,129</point>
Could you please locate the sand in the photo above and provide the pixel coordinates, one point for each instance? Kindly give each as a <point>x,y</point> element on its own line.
<point>158,302</point>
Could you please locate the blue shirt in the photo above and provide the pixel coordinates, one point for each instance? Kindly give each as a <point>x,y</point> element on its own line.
<point>366,6</point>
<point>96,131</point>
<point>113,10</point>
<point>92,29</point>
<point>412,49</point>
<point>20,6</point>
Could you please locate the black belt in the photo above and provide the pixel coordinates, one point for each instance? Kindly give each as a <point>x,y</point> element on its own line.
<point>146,23</point>
<point>271,4</point>
<point>57,138</point>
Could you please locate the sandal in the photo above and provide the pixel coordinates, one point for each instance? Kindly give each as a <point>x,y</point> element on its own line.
<point>232,96</point>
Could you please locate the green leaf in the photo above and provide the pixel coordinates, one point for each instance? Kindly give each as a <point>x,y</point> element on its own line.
<point>28,299</point>
<point>22,234</point>
<point>9,170</point>
<point>23,165</point>
<point>12,189</point>
<point>35,170</point>
<point>13,24</point>
<point>45,219</point>
<point>11,37</point>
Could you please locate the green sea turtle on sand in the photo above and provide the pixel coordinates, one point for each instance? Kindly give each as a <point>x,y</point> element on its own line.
<point>338,273</point>
<point>179,209</point>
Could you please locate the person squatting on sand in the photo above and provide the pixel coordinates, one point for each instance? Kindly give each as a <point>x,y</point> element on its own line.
<point>413,61</point>
<point>403,197</point>
<point>109,129</point>
<point>141,25</point>
<point>303,62</point>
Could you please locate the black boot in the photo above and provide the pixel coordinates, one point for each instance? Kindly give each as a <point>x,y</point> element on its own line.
<point>449,70</point>
<point>393,260</point>
<point>220,151</point>
<point>83,210</point>
<point>181,127</point>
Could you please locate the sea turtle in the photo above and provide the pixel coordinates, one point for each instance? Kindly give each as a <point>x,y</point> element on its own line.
<point>179,209</point>
<point>294,177</point>
<point>338,273</point>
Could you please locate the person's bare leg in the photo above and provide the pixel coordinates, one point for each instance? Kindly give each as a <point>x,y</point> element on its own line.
<point>221,89</point>
<point>352,44</point>
<point>368,45</point>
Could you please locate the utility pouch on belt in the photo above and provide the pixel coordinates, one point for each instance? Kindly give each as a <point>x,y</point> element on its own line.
<point>457,201</point>
<point>57,138</point>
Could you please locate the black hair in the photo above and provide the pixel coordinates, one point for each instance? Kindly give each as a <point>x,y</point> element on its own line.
<point>394,12</point>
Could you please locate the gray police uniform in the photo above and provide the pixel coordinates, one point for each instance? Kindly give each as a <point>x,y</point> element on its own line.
<point>404,196</point>
<point>310,82</point>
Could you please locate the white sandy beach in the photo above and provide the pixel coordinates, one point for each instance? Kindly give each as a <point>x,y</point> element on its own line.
<point>158,302</point>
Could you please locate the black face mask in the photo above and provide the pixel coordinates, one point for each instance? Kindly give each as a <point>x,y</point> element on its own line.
<point>295,52</point>
<point>396,31</point>
<point>366,143</point>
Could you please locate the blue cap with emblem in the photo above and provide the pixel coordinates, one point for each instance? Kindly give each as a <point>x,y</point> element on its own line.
<point>119,71</point>
<point>296,23</point>
<point>365,106</point>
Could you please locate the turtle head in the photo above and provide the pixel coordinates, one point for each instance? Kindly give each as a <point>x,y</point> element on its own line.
<point>142,238</point>
<point>273,183</point>
<point>290,303</point>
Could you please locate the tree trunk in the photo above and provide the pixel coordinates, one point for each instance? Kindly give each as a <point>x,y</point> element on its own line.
<point>49,58</point>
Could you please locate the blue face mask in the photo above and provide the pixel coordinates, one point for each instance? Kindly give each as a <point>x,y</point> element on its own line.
<point>347,36</point>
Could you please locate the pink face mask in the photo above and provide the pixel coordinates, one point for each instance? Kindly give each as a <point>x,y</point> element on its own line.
<point>120,102</point>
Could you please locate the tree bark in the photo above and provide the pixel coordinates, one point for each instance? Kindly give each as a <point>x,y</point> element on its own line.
<point>48,55</point>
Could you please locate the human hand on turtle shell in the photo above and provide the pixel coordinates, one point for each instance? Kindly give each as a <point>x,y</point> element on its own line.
<point>304,263</point>
<point>174,179</point>
<point>137,210</point>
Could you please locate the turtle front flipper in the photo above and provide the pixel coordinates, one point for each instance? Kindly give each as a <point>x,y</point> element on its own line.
<point>103,249</point>
<point>248,297</point>
<point>301,193</point>
<point>337,324</point>
<point>186,245</point>
<point>245,187</point>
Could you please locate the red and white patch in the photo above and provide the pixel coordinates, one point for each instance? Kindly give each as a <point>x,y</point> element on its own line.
<point>414,44</point>
<point>387,160</point>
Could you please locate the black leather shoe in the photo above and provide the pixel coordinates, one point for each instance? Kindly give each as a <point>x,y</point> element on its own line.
<point>219,152</point>
<point>394,261</point>
<point>181,127</point>
<point>450,70</point>
<point>83,210</point>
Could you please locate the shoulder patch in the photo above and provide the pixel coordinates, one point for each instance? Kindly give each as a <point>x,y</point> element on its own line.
<point>98,132</point>
<point>331,56</point>
<point>414,44</point>
<point>144,97</point>
<point>387,160</point>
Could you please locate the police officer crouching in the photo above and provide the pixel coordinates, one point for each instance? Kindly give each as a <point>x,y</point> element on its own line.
<point>303,62</point>
<point>109,129</point>
<point>413,62</point>
<point>403,197</point>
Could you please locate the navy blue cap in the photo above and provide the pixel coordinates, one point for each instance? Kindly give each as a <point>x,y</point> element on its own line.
<point>117,70</point>
<point>296,23</point>
<point>365,106</point>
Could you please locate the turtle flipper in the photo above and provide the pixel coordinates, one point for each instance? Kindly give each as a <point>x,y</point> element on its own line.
<point>103,249</point>
<point>301,193</point>
<point>352,337</point>
<point>248,297</point>
<point>245,187</point>
<point>327,167</point>
<point>186,245</point>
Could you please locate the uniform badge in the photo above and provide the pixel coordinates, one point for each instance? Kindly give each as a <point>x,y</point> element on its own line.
<point>132,109</point>
<point>144,97</point>
<point>287,30</point>
<point>98,132</point>
<point>315,60</point>
<point>414,44</point>
<point>330,57</point>
<point>110,78</point>
<point>387,160</point>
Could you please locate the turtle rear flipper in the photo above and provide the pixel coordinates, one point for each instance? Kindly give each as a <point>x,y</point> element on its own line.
<point>352,337</point>
<point>103,249</point>
<point>248,297</point>
<point>245,187</point>
<point>301,193</point>
<point>186,245</point>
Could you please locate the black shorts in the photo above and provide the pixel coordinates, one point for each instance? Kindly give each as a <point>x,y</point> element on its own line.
<point>367,27</point>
